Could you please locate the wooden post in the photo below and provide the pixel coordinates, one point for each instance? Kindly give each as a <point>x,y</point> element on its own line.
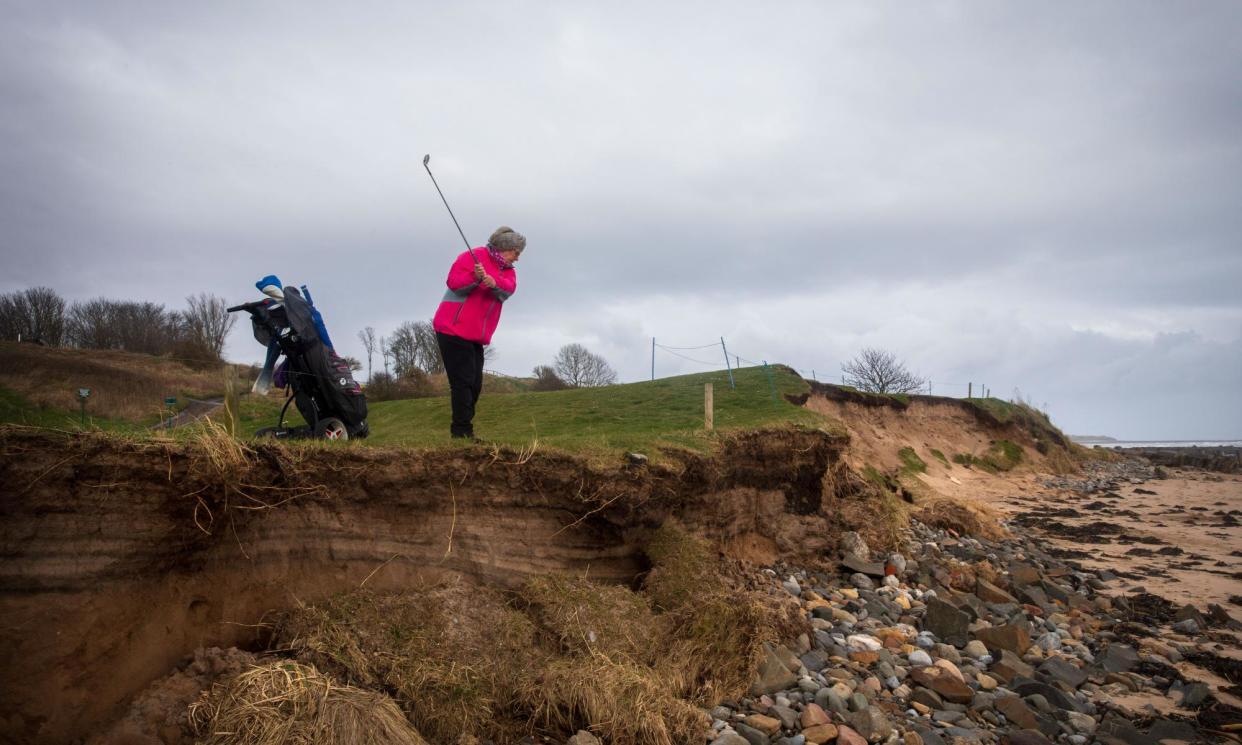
<point>709,416</point>
<point>653,358</point>
<point>969,389</point>
<point>725,349</point>
<point>232,407</point>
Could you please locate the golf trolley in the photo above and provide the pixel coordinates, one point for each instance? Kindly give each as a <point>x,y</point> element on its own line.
<point>318,381</point>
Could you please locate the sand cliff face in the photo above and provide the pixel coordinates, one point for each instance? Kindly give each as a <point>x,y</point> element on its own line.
<point>121,557</point>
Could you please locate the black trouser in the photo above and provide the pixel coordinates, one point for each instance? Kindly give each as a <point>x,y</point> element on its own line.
<point>463,361</point>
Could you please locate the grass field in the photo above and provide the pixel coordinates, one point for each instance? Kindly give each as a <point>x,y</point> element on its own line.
<point>633,416</point>
<point>127,390</point>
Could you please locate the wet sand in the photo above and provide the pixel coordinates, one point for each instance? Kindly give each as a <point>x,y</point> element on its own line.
<point>1182,542</point>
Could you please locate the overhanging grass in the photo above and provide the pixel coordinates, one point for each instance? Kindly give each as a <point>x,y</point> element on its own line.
<point>634,416</point>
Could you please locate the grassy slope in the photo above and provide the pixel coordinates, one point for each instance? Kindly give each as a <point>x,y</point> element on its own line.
<point>634,416</point>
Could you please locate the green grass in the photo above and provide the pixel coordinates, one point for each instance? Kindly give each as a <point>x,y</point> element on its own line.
<point>911,463</point>
<point>1003,455</point>
<point>939,456</point>
<point>639,417</point>
<point>634,416</point>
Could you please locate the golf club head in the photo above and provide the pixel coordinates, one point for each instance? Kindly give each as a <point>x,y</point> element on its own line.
<point>426,159</point>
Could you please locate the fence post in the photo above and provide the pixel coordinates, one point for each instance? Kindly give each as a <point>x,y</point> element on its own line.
<point>969,390</point>
<point>771,382</point>
<point>726,354</point>
<point>653,358</point>
<point>231,400</point>
<point>709,416</point>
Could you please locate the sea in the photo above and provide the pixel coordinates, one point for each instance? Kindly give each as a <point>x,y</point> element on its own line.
<point>1162,443</point>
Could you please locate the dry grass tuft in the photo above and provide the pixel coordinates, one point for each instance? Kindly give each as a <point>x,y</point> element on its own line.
<point>584,618</point>
<point>683,567</point>
<point>453,654</point>
<point>287,702</point>
<point>620,701</point>
<point>963,516</point>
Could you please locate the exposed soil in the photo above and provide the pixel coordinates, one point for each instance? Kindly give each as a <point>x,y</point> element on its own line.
<point>122,556</point>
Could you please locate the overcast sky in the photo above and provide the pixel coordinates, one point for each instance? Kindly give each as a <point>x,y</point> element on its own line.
<point>1036,196</point>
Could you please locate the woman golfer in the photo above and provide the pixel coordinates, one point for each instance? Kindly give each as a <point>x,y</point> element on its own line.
<point>479,283</point>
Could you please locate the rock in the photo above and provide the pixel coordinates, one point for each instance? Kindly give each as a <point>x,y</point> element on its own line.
<point>637,459</point>
<point>861,581</point>
<point>1012,637</point>
<point>787,716</point>
<point>1059,670</point>
<point>584,738</point>
<point>858,702</point>
<point>1082,723</point>
<point>945,685</point>
<point>898,563</point>
<point>853,543</point>
<point>752,735</point>
<point>947,622</point>
<point>820,734</point>
<point>1025,737</point>
<point>1188,626</point>
<point>927,698</point>
<point>1023,574</point>
<point>847,736</point>
<point>774,675</point>
<point>863,643</point>
<point>990,593</point>
<point>722,713</point>
<point>1010,666</point>
<point>975,648</point>
<point>1016,711</point>
<point>730,738</point>
<point>1054,695</point>
<point>856,564</point>
<point>1119,658</point>
<point>1049,642</point>
<point>814,715</point>
<point>950,669</point>
<point>765,724</point>
<point>871,723</point>
<point>1190,695</point>
<point>919,658</point>
<point>986,682</point>
<point>792,587</point>
<point>829,699</point>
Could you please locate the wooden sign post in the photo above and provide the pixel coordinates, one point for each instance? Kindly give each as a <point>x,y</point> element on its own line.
<point>709,416</point>
<point>232,401</point>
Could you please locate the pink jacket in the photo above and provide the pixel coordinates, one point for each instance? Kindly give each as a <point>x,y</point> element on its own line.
<point>469,309</point>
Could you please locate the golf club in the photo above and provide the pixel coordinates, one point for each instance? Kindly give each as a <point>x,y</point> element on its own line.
<point>426,161</point>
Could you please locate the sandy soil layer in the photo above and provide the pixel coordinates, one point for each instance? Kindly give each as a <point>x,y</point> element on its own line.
<point>1182,541</point>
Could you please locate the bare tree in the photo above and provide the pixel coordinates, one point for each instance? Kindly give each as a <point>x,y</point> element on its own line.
<point>36,314</point>
<point>879,371</point>
<point>580,368</point>
<point>207,322</point>
<point>546,379</point>
<point>367,337</point>
<point>386,353</point>
<point>90,324</point>
<point>413,346</point>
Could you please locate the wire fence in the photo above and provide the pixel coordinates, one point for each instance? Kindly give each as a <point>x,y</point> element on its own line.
<point>726,358</point>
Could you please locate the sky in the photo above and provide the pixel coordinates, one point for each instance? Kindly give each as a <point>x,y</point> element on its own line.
<point>1040,198</point>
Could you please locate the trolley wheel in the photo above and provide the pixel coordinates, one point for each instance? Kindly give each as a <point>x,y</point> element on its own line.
<point>331,429</point>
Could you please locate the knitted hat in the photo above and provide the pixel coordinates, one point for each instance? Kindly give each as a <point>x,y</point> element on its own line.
<point>506,238</point>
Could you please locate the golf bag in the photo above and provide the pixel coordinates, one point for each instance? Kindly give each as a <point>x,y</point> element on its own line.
<point>320,383</point>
